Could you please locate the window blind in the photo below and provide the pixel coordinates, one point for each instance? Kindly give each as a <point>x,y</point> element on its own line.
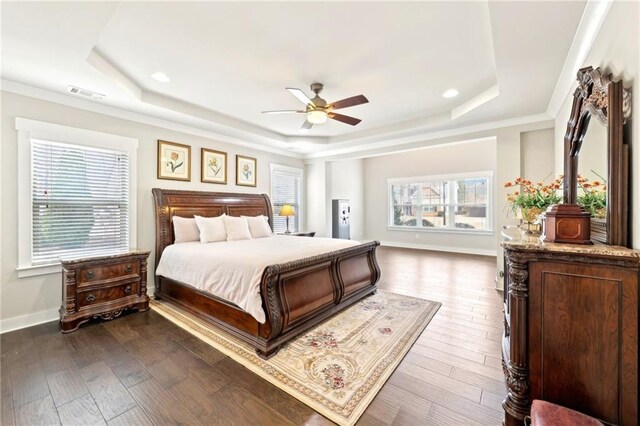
<point>286,188</point>
<point>80,201</point>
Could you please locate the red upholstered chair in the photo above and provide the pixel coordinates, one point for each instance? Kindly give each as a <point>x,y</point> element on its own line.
<point>547,414</point>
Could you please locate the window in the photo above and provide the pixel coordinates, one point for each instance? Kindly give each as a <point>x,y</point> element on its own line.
<point>78,189</point>
<point>286,188</point>
<point>441,203</point>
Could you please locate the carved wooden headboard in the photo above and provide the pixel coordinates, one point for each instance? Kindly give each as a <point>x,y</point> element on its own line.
<point>172,202</point>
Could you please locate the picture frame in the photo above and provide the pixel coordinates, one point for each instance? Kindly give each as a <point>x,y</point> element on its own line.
<point>213,166</point>
<point>246,171</point>
<point>174,161</point>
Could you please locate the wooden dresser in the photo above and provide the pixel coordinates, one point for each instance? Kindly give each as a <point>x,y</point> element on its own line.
<point>571,328</point>
<point>102,287</point>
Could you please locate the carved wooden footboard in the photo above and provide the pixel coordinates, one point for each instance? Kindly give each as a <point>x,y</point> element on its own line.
<point>295,295</point>
<point>298,295</point>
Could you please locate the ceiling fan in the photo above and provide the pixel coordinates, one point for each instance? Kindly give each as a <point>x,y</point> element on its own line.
<point>317,109</point>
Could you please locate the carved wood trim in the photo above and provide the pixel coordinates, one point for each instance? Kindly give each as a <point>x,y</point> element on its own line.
<point>519,256</point>
<point>269,336</point>
<point>598,95</point>
<point>165,200</point>
<point>517,403</point>
<point>527,265</point>
<point>75,312</point>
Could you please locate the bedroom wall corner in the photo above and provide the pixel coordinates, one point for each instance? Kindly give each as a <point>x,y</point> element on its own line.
<point>315,200</point>
<point>347,182</point>
<point>25,301</point>
<point>444,158</point>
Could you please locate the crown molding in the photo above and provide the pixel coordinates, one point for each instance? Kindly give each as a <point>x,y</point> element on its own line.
<point>399,138</point>
<point>197,127</point>
<point>420,138</point>
<point>594,15</point>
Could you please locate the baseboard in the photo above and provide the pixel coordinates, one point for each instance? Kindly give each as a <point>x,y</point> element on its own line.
<point>24,321</point>
<point>481,252</point>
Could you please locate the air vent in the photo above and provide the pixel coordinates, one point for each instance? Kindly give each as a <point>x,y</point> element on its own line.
<point>84,92</point>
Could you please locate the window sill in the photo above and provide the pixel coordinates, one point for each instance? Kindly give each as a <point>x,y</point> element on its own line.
<point>32,271</point>
<point>441,230</point>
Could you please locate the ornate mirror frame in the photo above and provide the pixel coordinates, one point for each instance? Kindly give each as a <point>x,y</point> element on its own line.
<point>597,95</point>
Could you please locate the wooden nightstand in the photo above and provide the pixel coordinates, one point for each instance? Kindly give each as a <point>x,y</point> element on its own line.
<point>300,234</point>
<point>102,287</point>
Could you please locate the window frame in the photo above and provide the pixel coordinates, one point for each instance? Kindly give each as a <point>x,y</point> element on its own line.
<point>274,167</point>
<point>28,129</point>
<point>450,211</point>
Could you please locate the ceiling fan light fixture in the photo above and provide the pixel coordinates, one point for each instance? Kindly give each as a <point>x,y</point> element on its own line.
<point>317,117</point>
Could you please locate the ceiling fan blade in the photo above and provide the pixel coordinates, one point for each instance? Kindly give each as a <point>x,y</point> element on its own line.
<point>300,95</point>
<point>283,111</point>
<point>306,125</point>
<point>349,102</point>
<point>344,118</point>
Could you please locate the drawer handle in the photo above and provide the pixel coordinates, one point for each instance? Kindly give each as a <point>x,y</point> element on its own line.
<point>90,298</point>
<point>128,269</point>
<point>90,274</point>
<point>127,289</point>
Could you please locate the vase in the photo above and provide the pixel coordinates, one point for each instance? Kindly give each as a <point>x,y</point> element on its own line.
<point>531,223</point>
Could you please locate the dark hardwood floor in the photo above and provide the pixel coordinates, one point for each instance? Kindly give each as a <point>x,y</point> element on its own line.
<point>141,369</point>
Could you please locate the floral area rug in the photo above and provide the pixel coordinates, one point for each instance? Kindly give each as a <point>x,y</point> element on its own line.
<point>338,367</point>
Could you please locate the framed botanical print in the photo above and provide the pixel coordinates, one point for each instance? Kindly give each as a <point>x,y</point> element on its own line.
<point>174,161</point>
<point>214,166</point>
<point>246,171</point>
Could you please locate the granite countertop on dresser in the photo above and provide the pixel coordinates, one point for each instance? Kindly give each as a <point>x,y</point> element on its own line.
<point>517,239</point>
<point>130,252</point>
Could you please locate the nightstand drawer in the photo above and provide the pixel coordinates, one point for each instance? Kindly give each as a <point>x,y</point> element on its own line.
<point>102,287</point>
<point>109,294</point>
<point>104,272</point>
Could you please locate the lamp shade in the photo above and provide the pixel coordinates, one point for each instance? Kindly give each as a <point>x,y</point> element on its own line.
<point>287,210</point>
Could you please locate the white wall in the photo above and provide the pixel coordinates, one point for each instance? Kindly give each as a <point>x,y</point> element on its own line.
<point>347,182</point>
<point>537,155</point>
<point>316,201</point>
<point>329,180</point>
<point>43,293</point>
<point>615,50</point>
<point>506,157</point>
<point>432,161</point>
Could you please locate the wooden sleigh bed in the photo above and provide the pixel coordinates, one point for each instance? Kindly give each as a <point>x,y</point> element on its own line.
<point>295,295</point>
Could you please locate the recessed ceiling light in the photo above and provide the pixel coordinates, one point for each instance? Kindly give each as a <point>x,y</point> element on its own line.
<point>451,93</point>
<point>161,77</point>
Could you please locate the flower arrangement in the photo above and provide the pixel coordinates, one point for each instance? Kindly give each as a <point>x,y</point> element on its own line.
<point>594,196</point>
<point>531,199</point>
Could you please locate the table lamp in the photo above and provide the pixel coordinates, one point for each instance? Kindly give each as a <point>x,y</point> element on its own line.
<point>287,210</point>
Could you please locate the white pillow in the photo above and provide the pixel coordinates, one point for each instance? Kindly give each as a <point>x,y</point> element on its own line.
<point>185,230</point>
<point>211,229</point>
<point>237,228</point>
<point>259,226</point>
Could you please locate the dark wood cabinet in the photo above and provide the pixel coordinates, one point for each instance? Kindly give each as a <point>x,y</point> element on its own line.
<point>102,287</point>
<point>571,329</point>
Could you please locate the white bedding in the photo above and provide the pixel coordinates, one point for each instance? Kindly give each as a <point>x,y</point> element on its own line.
<point>232,270</point>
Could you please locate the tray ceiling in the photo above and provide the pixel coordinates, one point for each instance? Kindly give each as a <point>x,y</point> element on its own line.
<point>229,61</point>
